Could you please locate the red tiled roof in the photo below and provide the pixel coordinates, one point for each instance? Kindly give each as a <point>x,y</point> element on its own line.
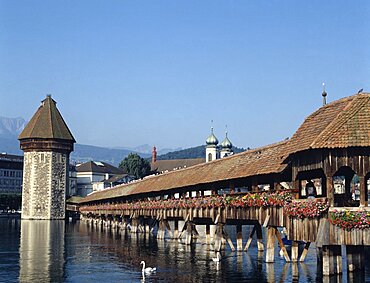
<point>265,160</point>
<point>342,123</point>
<point>171,164</point>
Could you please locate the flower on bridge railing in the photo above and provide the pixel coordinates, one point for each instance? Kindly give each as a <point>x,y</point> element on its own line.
<point>265,199</point>
<point>349,220</point>
<point>310,208</point>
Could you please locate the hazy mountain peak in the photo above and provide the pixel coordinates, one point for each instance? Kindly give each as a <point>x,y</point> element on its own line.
<point>11,127</point>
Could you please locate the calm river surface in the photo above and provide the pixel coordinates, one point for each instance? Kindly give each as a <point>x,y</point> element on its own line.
<point>58,251</point>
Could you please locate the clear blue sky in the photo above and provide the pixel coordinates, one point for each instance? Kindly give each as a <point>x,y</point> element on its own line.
<point>126,73</point>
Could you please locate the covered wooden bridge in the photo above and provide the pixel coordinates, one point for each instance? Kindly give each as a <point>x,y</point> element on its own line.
<point>315,185</point>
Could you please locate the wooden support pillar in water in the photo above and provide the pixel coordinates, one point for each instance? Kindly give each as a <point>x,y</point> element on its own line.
<point>134,223</point>
<point>270,249</point>
<point>305,251</point>
<point>168,227</point>
<point>259,237</point>
<point>147,227</point>
<point>161,229</point>
<point>124,224</point>
<point>176,229</point>
<point>282,246</point>
<point>355,258</point>
<point>239,237</point>
<point>189,231</point>
<point>208,233</point>
<point>250,238</point>
<point>218,237</point>
<point>331,260</point>
<point>327,261</point>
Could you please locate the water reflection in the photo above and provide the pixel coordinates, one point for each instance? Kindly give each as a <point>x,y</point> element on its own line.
<point>41,251</point>
<point>52,251</point>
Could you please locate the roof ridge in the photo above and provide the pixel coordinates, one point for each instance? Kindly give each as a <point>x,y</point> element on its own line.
<point>51,115</point>
<point>38,113</point>
<point>343,114</point>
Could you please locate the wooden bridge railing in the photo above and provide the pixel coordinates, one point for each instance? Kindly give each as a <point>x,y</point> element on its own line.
<point>269,208</point>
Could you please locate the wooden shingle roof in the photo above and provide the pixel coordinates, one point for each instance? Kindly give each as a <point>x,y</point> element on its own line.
<point>340,124</point>
<point>171,164</point>
<point>47,123</point>
<point>265,160</point>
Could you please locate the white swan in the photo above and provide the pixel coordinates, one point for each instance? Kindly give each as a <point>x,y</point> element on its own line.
<point>147,270</point>
<point>217,258</point>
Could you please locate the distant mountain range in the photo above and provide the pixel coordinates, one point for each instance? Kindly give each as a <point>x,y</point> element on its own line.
<point>146,148</point>
<point>10,128</point>
<point>193,152</point>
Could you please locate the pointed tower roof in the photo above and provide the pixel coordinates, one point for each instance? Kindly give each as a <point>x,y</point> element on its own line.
<point>47,123</point>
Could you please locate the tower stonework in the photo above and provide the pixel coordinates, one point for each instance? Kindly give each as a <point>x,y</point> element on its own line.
<point>47,143</point>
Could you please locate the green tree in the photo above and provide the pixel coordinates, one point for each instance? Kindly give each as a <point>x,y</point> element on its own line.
<point>133,164</point>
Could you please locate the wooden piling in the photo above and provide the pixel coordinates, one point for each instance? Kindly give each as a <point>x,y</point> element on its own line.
<point>239,237</point>
<point>355,258</point>
<point>218,237</point>
<point>168,227</point>
<point>189,238</point>
<point>208,233</point>
<point>250,238</point>
<point>304,252</point>
<point>282,246</point>
<point>270,250</point>
<point>259,237</point>
<point>134,225</point>
<point>176,229</point>
<point>327,261</point>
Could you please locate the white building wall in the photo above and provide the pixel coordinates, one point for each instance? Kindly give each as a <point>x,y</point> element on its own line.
<point>211,151</point>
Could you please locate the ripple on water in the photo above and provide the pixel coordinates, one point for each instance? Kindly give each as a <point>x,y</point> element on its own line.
<point>79,253</point>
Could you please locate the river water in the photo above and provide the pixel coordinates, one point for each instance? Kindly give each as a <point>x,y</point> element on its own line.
<point>59,251</point>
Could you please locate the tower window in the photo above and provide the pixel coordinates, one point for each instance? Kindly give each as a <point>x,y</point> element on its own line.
<point>209,156</point>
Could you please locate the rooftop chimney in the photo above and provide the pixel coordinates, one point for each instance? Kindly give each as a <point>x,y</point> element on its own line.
<point>154,154</point>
